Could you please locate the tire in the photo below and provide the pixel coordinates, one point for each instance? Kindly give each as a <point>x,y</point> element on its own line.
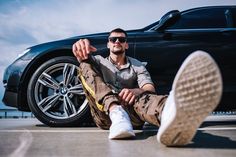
<point>55,94</point>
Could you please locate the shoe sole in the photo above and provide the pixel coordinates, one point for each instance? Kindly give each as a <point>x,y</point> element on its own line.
<point>197,91</point>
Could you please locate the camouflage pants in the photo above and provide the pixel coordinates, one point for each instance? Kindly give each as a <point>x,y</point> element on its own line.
<point>147,107</point>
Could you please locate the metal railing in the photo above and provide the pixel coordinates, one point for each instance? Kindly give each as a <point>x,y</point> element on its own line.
<point>14,113</point>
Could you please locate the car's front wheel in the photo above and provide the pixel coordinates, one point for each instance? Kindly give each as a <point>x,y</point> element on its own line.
<point>55,94</point>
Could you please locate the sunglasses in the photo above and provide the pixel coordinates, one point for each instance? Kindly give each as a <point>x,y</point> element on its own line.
<point>120,39</point>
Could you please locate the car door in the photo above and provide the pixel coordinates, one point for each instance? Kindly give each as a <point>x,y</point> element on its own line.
<point>207,29</point>
<point>153,49</point>
<point>211,30</point>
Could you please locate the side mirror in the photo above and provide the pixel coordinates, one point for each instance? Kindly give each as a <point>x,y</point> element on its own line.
<point>168,19</point>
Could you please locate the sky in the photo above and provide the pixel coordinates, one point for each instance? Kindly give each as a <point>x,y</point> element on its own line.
<point>24,23</point>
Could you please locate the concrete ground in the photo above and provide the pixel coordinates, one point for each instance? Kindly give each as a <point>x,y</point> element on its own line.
<point>30,138</point>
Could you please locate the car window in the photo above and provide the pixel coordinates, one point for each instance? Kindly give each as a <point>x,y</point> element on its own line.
<point>202,18</point>
<point>233,11</point>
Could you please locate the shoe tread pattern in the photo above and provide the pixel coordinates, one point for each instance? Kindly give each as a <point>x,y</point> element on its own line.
<point>198,89</point>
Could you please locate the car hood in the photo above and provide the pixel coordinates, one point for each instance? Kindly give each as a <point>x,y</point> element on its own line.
<point>67,43</point>
<point>71,40</point>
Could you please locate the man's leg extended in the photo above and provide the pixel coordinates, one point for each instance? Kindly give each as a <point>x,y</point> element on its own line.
<point>196,91</point>
<point>101,97</point>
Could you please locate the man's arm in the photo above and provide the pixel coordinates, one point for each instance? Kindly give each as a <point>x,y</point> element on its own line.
<point>144,81</point>
<point>149,87</point>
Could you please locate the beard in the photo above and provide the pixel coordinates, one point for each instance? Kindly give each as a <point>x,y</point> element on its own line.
<point>117,51</point>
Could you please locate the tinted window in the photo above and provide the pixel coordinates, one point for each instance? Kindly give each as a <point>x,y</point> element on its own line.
<point>202,18</point>
<point>234,17</point>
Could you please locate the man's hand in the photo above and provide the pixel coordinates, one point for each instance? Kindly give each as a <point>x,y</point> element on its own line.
<point>82,48</point>
<point>128,96</point>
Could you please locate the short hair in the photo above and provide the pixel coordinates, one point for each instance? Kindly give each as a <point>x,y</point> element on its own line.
<point>118,30</point>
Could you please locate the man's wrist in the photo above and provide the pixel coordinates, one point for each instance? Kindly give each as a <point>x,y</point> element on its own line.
<point>139,91</point>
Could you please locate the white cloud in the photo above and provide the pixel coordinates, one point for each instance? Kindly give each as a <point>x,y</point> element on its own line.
<point>50,20</point>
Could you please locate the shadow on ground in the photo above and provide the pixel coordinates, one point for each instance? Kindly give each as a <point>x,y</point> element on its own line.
<point>207,140</point>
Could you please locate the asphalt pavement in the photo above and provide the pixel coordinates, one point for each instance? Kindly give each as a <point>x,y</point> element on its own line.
<point>30,138</point>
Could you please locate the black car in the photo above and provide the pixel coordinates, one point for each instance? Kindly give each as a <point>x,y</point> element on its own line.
<point>44,79</point>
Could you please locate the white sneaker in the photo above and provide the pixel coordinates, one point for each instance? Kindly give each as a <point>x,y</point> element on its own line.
<point>196,92</point>
<point>121,126</point>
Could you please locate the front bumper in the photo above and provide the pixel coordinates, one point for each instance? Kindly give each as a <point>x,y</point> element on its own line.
<point>10,99</point>
<point>12,80</point>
